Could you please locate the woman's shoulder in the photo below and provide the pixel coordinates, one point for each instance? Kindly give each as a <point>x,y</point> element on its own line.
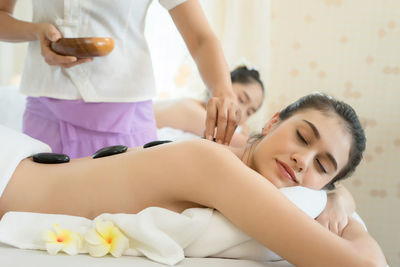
<point>207,150</point>
<point>200,152</point>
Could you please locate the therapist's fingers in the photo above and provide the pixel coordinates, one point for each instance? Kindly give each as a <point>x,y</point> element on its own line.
<point>222,122</point>
<point>229,120</point>
<point>79,61</point>
<point>49,34</point>
<point>342,224</point>
<point>54,59</point>
<point>224,114</point>
<point>233,117</point>
<point>340,229</point>
<point>333,227</point>
<point>211,118</point>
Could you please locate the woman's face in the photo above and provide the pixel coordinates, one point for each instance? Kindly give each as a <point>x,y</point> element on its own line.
<point>249,98</point>
<point>308,149</point>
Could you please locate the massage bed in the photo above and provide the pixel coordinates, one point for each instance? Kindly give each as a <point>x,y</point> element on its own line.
<point>12,257</point>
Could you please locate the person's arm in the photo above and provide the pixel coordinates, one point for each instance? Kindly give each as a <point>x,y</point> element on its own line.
<point>14,30</point>
<point>188,115</point>
<point>258,208</point>
<point>339,207</point>
<point>185,114</point>
<point>222,109</point>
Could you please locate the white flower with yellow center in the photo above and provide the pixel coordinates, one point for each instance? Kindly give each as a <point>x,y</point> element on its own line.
<point>62,240</point>
<point>105,238</point>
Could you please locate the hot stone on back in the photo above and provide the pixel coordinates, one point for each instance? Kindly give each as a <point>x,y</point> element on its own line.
<point>156,143</point>
<point>109,151</point>
<point>50,158</point>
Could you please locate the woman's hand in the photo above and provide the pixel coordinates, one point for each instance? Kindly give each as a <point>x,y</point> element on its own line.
<point>224,114</point>
<point>335,216</point>
<point>223,111</point>
<point>48,33</point>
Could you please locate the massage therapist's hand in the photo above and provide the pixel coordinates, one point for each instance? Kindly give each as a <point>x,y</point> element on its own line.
<point>47,33</point>
<point>334,217</point>
<point>223,114</point>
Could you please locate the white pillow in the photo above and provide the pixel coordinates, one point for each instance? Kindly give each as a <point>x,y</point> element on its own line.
<point>12,105</point>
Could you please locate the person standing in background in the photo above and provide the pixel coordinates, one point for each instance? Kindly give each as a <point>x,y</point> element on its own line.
<point>78,106</point>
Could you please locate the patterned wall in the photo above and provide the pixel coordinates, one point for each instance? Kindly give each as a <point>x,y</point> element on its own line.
<point>349,49</point>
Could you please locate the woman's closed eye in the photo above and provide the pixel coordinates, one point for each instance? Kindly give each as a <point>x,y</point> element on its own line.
<point>302,139</point>
<point>321,166</point>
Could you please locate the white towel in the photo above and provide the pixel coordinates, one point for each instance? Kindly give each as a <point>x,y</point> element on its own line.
<point>15,147</point>
<point>160,234</point>
<point>173,134</point>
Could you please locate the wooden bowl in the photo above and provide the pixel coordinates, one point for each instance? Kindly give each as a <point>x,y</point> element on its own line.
<point>83,47</point>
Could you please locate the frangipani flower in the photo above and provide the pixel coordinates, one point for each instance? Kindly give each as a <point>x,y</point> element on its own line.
<point>104,238</point>
<point>62,239</point>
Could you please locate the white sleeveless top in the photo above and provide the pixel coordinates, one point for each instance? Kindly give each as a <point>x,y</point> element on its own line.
<point>125,75</point>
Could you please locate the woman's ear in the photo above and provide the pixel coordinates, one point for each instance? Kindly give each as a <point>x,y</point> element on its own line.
<point>270,123</point>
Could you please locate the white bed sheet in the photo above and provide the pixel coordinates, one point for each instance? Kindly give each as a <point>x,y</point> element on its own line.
<point>12,257</point>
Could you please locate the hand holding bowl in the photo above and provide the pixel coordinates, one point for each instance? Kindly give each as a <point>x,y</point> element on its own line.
<point>83,47</point>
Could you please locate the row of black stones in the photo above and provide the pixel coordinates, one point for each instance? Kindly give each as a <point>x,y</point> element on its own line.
<point>53,158</point>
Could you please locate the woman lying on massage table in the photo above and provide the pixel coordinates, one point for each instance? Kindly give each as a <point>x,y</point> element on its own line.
<point>314,142</point>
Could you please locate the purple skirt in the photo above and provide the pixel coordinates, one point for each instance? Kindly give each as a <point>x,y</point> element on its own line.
<point>79,129</point>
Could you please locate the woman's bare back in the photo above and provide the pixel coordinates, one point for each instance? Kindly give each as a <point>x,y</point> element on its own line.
<point>124,183</point>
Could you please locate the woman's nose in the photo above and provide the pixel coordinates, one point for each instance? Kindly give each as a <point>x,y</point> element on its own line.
<point>301,160</point>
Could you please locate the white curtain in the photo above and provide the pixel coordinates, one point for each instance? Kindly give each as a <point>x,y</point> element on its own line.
<point>243,28</point>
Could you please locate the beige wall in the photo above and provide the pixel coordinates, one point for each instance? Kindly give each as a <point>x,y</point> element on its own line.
<point>349,49</point>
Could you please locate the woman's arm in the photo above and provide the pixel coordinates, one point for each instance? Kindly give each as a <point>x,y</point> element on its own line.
<point>188,115</point>
<point>222,109</point>
<point>185,114</point>
<point>254,205</point>
<point>363,243</point>
<point>339,207</point>
<point>14,30</point>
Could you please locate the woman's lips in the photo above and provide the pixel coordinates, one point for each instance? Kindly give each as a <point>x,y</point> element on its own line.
<point>286,171</point>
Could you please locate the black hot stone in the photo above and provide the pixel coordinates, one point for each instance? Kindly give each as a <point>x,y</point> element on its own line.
<point>156,143</point>
<point>50,158</point>
<point>110,150</point>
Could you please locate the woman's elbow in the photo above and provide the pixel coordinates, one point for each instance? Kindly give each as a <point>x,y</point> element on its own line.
<point>376,261</point>
<point>370,259</point>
